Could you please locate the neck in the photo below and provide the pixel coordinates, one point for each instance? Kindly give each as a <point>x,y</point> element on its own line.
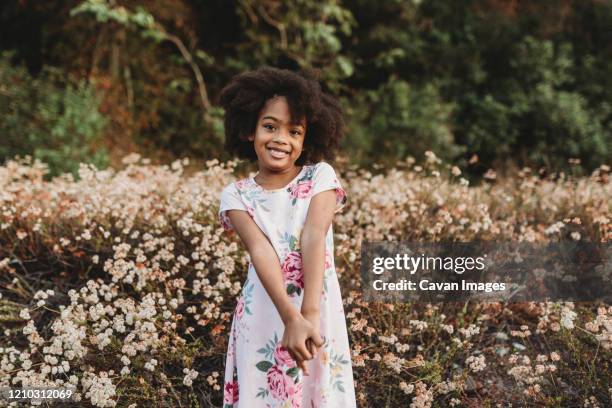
<point>266,176</point>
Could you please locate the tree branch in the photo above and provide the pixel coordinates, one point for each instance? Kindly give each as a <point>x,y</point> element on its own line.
<point>194,67</point>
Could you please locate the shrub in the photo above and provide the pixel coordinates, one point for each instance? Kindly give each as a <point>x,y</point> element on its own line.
<point>53,119</point>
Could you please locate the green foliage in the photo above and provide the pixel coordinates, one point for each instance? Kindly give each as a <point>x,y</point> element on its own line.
<point>558,117</point>
<point>310,33</point>
<point>521,81</point>
<point>182,130</point>
<point>533,112</point>
<point>398,120</point>
<point>49,118</point>
<point>527,82</point>
<point>104,11</point>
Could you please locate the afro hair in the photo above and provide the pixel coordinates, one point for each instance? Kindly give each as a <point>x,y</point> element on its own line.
<point>246,94</point>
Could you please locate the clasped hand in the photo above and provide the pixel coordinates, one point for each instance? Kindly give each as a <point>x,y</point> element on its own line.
<point>302,339</point>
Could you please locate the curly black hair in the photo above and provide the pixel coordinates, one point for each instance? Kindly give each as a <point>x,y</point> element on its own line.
<point>245,95</point>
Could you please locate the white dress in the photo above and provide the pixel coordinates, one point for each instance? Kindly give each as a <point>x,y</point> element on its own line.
<point>259,372</point>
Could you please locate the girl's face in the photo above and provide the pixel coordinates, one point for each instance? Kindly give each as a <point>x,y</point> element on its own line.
<point>277,142</point>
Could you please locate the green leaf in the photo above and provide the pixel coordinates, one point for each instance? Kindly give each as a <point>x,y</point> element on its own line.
<point>345,65</point>
<point>206,58</point>
<point>264,366</point>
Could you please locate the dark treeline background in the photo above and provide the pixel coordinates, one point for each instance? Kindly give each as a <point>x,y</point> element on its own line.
<point>515,83</point>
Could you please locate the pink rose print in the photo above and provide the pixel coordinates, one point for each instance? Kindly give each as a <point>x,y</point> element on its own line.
<point>282,357</point>
<point>278,383</point>
<point>240,308</point>
<point>292,269</point>
<point>230,394</point>
<point>327,260</point>
<point>301,189</point>
<point>225,221</point>
<point>340,194</point>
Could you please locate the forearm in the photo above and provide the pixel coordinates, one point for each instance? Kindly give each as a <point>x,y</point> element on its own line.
<point>313,264</point>
<point>267,266</point>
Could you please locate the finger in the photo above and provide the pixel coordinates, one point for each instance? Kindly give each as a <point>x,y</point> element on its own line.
<point>304,352</point>
<point>312,347</point>
<point>293,356</point>
<point>317,339</point>
<point>298,355</point>
<point>302,365</point>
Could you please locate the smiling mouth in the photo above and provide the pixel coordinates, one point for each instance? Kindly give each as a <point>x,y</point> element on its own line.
<point>277,153</point>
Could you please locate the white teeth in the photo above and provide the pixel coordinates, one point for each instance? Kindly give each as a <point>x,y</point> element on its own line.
<point>277,153</point>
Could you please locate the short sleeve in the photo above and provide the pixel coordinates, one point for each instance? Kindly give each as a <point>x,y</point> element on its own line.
<point>230,200</point>
<point>325,179</point>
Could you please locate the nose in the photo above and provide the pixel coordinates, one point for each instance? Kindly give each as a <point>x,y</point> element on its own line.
<point>279,139</point>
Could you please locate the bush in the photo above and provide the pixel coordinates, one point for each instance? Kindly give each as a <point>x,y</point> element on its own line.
<point>398,120</point>
<point>50,118</point>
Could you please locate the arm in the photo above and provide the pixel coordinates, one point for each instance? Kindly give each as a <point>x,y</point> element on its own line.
<point>267,266</point>
<point>265,260</point>
<point>312,242</point>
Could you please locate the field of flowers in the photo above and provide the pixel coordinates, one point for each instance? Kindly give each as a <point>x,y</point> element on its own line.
<point>122,285</point>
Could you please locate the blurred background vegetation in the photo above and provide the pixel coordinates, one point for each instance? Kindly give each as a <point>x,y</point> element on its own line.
<point>482,83</point>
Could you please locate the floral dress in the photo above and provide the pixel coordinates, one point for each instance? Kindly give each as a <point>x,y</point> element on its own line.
<point>259,372</point>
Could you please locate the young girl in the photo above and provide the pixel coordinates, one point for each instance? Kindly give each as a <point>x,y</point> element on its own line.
<point>288,344</point>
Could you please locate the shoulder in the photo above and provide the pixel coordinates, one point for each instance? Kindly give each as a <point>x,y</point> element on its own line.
<point>324,177</point>
<point>312,172</point>
<point>235,187</point>
<point>231,187</point>
<point>230,192</point>
<point>324,170</point>
<point>324,167</point>
<point>319,168</point>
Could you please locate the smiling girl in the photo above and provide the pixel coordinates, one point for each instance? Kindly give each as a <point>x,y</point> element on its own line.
<point>288,344</point>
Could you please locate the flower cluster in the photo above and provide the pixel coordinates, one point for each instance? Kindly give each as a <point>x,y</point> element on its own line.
<point>123,281</point>
<point>532,375</point>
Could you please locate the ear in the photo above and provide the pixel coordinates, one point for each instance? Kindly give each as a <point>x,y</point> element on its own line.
<point>250,138</point>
